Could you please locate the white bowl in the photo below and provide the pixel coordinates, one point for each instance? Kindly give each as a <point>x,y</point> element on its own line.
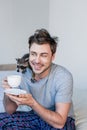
<point>14,80</point>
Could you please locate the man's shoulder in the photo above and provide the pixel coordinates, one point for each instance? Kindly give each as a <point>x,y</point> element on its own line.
<point>60,70</point>
<point>27,73</point>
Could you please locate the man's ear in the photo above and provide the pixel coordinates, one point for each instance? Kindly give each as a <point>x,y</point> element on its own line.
<point>53,56</point>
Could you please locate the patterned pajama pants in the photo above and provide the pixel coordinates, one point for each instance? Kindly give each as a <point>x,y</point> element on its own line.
<point>29,121</point>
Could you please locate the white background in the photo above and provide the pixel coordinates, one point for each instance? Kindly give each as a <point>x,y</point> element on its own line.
<point>18,20</point>
<point>68,20</point>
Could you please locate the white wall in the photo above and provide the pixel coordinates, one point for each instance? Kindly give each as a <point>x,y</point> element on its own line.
<point>18,20</point>
<point>68,21</point>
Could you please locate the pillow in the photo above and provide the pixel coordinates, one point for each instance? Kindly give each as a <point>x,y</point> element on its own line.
<point>80,108</point>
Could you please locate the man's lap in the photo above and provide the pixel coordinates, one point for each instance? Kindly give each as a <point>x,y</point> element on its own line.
<point>28,121</point>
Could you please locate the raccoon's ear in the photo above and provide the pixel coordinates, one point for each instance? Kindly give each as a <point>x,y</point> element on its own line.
<point>17,59</point>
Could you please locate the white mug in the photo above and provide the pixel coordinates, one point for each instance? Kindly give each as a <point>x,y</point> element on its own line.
<point>14,80</point>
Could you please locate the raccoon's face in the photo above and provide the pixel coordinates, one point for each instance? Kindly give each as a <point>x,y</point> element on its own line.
<point>21,65</point>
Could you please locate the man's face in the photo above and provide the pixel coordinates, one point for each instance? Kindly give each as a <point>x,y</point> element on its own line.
<point>40,58</point>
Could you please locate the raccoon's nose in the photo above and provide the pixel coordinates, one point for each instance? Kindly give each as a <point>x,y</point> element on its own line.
<point>17,70</point>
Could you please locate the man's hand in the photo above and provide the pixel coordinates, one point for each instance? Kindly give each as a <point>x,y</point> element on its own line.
<point>5,84</point>
<point>22,99</point>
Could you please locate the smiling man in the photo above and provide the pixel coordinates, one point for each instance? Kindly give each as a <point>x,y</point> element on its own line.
<point>40,59</point>
<point>49,90</point>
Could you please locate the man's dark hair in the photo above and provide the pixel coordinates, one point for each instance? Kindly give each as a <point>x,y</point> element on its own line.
<point>42,36</point>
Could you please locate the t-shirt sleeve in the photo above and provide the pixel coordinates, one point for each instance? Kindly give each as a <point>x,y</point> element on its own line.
<point>65,90</point>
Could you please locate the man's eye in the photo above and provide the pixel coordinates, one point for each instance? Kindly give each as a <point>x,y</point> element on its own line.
<point>33,54</point>
<point>44,55</point>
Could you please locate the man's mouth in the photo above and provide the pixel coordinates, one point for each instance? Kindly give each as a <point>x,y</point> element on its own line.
<point>37,66</point>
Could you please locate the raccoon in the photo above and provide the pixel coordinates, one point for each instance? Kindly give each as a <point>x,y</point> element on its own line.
<point>23,63</point>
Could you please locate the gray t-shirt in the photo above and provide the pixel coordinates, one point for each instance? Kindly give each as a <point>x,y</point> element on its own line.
<point>57,87</point>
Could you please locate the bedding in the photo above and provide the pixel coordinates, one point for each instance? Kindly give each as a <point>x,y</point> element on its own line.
<point>80,108</point>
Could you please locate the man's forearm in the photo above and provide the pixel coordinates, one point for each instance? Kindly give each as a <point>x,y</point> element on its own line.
<point>9,105</point>
<point>52,118</point>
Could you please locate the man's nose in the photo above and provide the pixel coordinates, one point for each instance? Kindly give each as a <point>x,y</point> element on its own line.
<point>37,59</point>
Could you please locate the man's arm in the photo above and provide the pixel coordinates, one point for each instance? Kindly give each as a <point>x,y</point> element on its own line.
<point>9,105</point>
<point>55,118</point>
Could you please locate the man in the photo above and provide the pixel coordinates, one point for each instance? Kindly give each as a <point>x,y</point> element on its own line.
<point>49,87</point>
